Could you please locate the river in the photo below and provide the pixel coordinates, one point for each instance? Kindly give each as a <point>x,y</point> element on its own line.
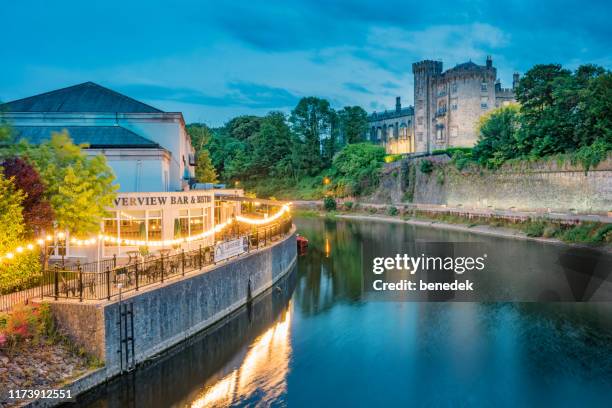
<point>322,338</point>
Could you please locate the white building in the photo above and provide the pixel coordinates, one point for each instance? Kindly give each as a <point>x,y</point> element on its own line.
<point>151,155</point>
<point>148,149</point>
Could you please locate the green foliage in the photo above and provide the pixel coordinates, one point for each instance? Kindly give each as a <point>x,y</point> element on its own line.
<point>560,112</point>
<point>392,211</point>
<point>390,158</point>
<point>426,166</point>
<point>329,204</point>
<point>534,228</point>
<point>12,225</point>
<point>497,142</point>
<point>78,187</point>
<point>348,205</point>
<point>355,169</point>
<point>353,122</point>
<point>311,121</point>
<point>200,136</point>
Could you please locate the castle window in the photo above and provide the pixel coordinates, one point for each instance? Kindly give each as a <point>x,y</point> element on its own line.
<point>484,102</point>
<point>420,120</point>
<point>483,87</point>
<point>440,133</point>
<point>454,103</point>
<point>454,87</point>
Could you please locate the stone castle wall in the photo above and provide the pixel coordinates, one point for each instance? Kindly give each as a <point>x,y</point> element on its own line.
<point>535,186</point>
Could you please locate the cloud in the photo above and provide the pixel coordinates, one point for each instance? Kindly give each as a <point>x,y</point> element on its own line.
<point>352,86</point>
<point>238,94</point>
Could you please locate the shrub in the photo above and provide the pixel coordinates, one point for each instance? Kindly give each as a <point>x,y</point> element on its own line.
<point>329,204</point>
<point>348,205</point>
<point>392,211</point>
<point>24,323</point>
<point>534,229</point>
<point>426,166</point>
<point>551,231</point>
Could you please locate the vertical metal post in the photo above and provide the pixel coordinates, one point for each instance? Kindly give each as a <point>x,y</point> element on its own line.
<point>108,284</point>
<point>162,268</point>
<point>136,277</point>
<point>55,282</point>
<point>183,261</point>
<point>80,283</point>
<point>114,261</point>
<point>200,257</point>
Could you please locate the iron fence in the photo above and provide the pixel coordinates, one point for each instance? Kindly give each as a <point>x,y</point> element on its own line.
<point>84,283</point>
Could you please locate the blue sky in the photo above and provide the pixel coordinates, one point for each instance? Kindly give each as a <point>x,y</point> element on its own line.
<point>215,60</point>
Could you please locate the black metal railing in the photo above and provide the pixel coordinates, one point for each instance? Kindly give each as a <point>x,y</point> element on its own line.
<point>108,283</point>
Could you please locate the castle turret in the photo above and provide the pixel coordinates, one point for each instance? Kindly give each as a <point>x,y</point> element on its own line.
<point>515,80</point>
<point>489,62</point>
<point>398,104</point>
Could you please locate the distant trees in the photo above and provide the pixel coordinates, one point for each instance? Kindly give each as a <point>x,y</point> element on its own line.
<point>311,121</point>
<point>205,170</point>
<point>559,112</point>
<point>353,122</point>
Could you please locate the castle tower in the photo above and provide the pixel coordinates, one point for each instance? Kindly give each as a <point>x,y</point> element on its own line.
<point>398,104</point>
<point>515,80</point>
<point>425,72</point>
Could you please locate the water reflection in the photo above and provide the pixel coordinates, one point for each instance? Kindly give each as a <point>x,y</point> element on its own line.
<point>263,370</point>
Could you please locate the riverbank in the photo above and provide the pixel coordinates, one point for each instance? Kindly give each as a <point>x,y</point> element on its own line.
<point>532,229</point>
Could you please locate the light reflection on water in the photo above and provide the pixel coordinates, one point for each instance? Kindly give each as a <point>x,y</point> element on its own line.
<point>263,370</point>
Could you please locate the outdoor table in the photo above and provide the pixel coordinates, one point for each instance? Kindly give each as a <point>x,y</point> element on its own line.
<point>133,256</point>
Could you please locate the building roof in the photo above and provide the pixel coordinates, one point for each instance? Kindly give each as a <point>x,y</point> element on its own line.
<point>85,97</point>
<point>95,136</point>
<point>391,114</point>
<point>466,66</point>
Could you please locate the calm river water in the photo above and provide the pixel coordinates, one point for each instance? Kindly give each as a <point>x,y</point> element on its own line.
<point>321,339</point>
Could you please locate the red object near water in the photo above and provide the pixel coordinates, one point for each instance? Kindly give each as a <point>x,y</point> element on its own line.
<point>302,244</point>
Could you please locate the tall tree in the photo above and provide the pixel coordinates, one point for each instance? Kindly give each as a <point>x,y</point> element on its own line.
<point>37,211</point>
<point>79,188</point>
<point>353,124</point>
<point>271,146</point>
<point>311,122</point>
<point>205,171</point>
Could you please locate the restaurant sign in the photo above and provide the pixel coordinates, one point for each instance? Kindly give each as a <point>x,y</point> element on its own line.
<point>161,200</point>
<point>228,249</point>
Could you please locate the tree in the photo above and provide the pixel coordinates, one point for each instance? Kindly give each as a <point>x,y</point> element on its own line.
<point>200,136</point>
<point>79,188</point>
<point>37,211</point>
<point>353,124</point>
<point>14,273</point>
<point>311,121</point>
<point>497,142</point>
<point>205,171</point>
<point>271,146</point>
<point>356,168</point>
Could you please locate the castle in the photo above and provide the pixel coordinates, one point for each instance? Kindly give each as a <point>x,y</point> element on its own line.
<point>448,105</point>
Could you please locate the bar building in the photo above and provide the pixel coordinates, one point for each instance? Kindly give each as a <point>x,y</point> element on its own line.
<point>149,152</point>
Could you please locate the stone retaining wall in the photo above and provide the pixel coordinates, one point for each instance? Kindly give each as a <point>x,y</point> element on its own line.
<point>167,314</point>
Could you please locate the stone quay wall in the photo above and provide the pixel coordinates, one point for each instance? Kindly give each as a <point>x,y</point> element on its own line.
<point>169,313</point>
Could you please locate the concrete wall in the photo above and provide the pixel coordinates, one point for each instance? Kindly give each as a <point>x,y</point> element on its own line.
<point>539,185</point>
<point>167,314</point>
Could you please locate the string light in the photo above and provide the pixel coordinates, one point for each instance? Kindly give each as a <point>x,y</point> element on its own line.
<point>131,242</point>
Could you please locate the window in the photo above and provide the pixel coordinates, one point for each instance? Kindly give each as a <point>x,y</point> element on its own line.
<point>440,133</point>
<point>133,225</point>
<point>420,120</point>
<point>454,103</point>
<point>484,102</point>
<point>154,225</point>
<point>190,222</point>
<point>483,87</point>
<point>454,87</point>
